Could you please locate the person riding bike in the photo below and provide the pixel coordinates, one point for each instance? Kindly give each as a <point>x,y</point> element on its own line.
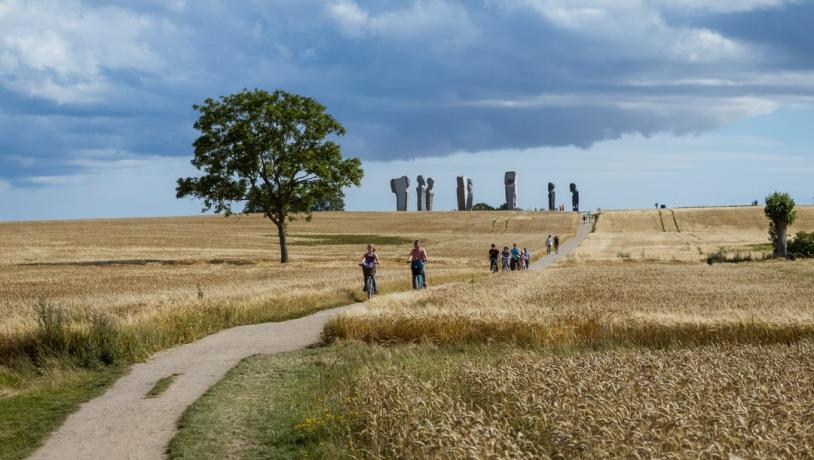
<point>369,263</point>
<point>515,262</point>
<point>494,255</point>
<point>418,257</point>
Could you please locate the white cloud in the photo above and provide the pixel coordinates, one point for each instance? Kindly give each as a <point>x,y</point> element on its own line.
<point>4,185</point>
<point>633,27</point>
<point>719,6</point>
<point>56,180</point>
<point>61,50</point>
<point>351,18</point>
<point>445,23</point>
<point>726,108</point>
<point>702,45</point>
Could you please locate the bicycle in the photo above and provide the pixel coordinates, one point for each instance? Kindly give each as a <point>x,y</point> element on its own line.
<point>368,274</point>
<point>493,265</point>
<point>417,268</point>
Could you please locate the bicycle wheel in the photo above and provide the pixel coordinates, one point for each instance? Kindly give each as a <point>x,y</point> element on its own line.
<point>369,287</point>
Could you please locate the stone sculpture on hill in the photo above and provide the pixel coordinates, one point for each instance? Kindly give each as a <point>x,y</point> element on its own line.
<point>421,193</point>
<point>574,197</point>
<point>469,194</point>
<point>430,194</point>
<point>552,197</point>
<point>461,193</point>
<point>509,180</point>
<point>400,186</point>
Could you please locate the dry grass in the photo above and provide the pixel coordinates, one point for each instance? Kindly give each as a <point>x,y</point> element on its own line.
<point>686,235</point>
<point>184,277</point>
<point>652,304</point>
<point>712,402</point>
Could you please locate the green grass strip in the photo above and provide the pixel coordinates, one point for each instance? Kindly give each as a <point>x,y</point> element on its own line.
<point>161,386</point>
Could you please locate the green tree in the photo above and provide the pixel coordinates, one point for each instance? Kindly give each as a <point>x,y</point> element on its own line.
<point>482,207</point>
<point>267,152</point>
<point>331,203</point>
<point>780,211</point>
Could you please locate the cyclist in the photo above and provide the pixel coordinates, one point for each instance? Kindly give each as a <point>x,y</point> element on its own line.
<point>505,256</point>
<point>515,263</point>
<point>369,263</point>
<point>418,257</point>
<point>494,255</point>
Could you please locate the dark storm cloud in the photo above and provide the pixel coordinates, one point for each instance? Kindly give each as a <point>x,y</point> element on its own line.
<point>409,78</point>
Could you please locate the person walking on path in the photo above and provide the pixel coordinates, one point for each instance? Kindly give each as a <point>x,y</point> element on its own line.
<point>494,255</point>
<point>527,255</point>
<point>556,244</point>
<point>418,257</point>
<point>548,245</point>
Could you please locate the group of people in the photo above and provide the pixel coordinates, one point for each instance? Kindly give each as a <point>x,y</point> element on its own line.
<point>552,243</point>
<point>417,259</point>
<point>509,259</point>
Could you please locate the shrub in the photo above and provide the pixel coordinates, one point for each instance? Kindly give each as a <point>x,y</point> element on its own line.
<point>802,245</point>
<point>721,257</point>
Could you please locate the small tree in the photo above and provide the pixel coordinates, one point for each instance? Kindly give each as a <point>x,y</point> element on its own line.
<point>780,211</point>
<point>267,152</point>
<point>332,203</point>
<point>482,207</point>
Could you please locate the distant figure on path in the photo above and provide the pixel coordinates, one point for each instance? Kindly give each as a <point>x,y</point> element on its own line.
<point>522,265</point>
<point>556,244</point>
<point>548,243</point>
<point>494,255</point>
<point>527,255</point>
<point>505,256</point>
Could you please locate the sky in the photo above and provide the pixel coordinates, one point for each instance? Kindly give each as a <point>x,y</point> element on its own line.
<point>683,102</point>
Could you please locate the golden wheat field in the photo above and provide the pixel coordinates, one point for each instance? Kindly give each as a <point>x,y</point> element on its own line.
<point>154,273</point>
<point>661,356</point>
<point>601,303</point>
<point>684,234</point>
<point>710,402</point>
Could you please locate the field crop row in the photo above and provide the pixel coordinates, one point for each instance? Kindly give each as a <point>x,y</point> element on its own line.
<point>652,304</point>
<point>356,401</point>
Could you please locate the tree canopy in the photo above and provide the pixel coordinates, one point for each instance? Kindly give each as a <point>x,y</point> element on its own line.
<point>780,211</point>
<point>268,152</point>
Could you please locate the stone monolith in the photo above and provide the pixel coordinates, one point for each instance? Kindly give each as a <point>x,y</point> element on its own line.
<point>430,194</point>
<point>461,193</point>
<point>421,194</point>
<point>574,197</point>
<point>469,195</point>
<point>552,197</point>
<point>400,186</point>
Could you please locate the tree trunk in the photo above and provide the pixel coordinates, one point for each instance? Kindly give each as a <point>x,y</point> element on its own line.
<point>283,243</point>
<point>782,239</point>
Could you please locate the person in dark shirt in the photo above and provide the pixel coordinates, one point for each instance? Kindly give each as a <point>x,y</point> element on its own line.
<point>494,254</point>
<point>556,244</point>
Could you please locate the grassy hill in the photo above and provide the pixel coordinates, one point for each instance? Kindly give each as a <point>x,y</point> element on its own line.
<point>685,234</point>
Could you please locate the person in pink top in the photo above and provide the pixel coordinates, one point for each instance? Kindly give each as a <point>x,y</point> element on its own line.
<point>418,257</point>
<point>370,261</point>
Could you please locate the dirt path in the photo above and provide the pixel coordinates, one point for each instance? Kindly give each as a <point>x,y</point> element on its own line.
<point>124,424</point>
<point>583,230</point>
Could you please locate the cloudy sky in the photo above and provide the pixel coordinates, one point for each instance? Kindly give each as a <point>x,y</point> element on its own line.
<point>678,101</point>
